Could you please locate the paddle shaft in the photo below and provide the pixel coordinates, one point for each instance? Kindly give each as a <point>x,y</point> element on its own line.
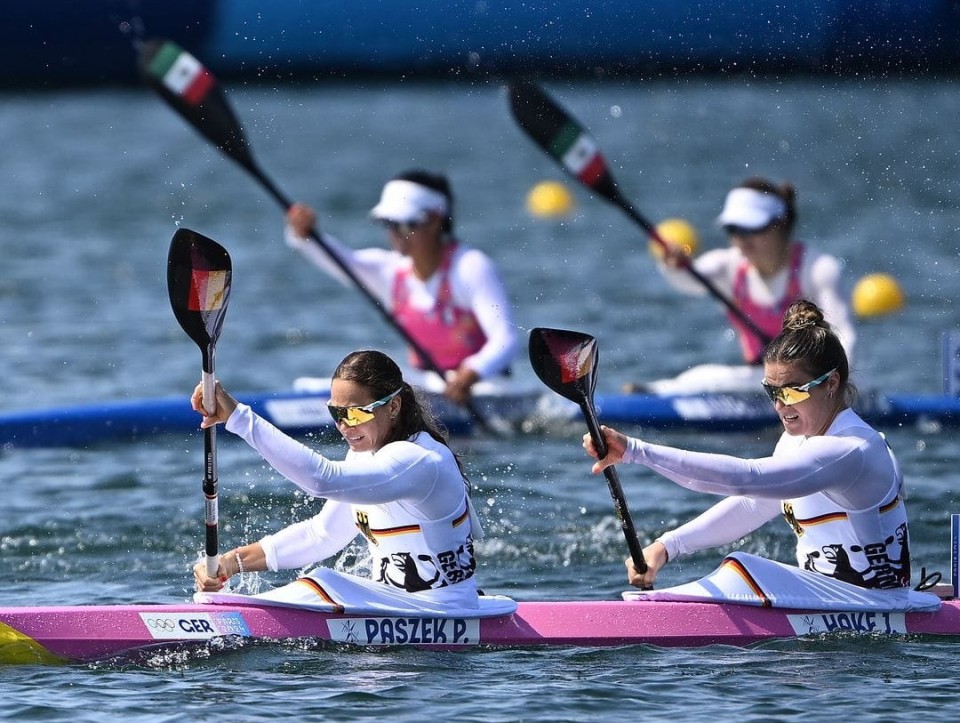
<point>254,169</point>
<point>616,490</point>
<point>211,515</point>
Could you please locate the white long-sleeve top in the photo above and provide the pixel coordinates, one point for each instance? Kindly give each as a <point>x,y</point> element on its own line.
<point>850,463</point>
<point>820,275</point>
<point>475,285</point>
<point>420,476</point>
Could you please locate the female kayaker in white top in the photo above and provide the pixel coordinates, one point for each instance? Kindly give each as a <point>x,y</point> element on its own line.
<point>400,486</point>
<point>762,271</point>
<point>831,475</point>
<point>446,295</point>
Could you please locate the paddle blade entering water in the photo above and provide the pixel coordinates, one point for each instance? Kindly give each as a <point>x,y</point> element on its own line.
<point>193,92</point>
<point>199,274</point>
<point>565,361</point>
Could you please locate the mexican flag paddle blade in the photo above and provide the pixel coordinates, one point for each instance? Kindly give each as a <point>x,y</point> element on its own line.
<point>562,137</point>
<point>194,93</point>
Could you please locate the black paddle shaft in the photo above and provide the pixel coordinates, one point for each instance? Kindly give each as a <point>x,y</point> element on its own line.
<point>566,362</point>
<point>203,104</point>
<point>565,140</point>
<point>616,489</point>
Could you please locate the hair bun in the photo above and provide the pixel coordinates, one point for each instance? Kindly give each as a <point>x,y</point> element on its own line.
<point>802,314</point>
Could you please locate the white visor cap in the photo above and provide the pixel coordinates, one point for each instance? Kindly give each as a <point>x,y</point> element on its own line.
<point>751,209</point>
<point>408,202</point>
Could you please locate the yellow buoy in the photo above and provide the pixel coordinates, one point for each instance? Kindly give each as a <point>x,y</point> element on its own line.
<point>549,199</point>
<point>877,294</point>
<point>677,233</point>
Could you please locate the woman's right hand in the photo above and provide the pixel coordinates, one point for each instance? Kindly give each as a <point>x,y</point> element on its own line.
<point>616,446</point>
<point>225,404</point>
<point>656,557</point>
<point>302,219</point>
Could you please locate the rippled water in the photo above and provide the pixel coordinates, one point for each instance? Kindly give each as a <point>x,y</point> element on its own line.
<point>97,182</point>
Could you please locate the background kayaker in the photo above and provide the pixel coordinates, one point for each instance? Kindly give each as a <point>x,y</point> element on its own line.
<point>447,295</point>
<point>400,485</point>
<point>762,271</point>
<point>831,475</point>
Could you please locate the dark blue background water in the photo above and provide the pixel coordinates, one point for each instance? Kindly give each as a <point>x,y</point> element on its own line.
<point>96,182</point>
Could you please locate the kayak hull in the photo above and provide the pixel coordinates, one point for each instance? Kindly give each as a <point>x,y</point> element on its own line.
<point>72,634</point>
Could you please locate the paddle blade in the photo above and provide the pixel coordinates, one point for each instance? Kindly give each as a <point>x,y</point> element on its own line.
<point>199,274</point>
<point>566,362</point>
<point>193,92</point>
<point>562,137</point>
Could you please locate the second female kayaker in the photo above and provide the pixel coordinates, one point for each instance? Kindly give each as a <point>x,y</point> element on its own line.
<point>762,271</point>
<point>832,476</point>
<point>448,296</point>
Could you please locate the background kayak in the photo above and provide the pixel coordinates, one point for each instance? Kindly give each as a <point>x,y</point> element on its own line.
<point>305,414</point>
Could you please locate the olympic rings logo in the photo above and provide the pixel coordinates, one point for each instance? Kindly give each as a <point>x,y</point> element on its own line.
<point>160,623</point>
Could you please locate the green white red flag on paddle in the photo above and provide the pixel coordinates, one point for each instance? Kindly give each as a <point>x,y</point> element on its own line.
<point>181,73</point>
<point>578,152</point>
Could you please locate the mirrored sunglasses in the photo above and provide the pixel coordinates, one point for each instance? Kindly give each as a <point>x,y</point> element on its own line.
<point>792,395</point>
<point>354,416</point>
